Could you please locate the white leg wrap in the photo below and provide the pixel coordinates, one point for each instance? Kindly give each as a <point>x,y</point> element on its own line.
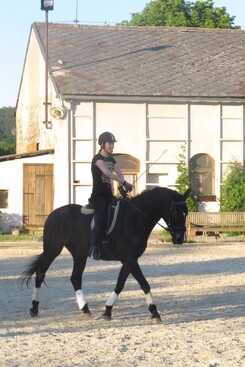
<point>35,294</point>
<point>149,299</point>
<point>80,299</point>
<point>112,299</point>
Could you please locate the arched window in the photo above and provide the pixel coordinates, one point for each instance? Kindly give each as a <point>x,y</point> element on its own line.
<point>127,163</point>
<point>130,167</point>
<point>202,176</point>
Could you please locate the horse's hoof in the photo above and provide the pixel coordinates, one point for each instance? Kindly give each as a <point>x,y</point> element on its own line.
<point>34,309</point>
<point>33,313</point>
<point>86,311</point>
<point>156,319</point>
<point>106,317</point>
<point>155,315</point>
<point>87,315</point>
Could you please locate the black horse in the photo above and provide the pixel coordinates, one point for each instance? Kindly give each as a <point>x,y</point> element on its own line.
<point>67,226</point>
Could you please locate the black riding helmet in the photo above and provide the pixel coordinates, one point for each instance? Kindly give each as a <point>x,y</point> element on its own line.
<point>106,137</point>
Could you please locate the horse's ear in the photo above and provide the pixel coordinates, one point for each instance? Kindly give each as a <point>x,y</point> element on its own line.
<point>186,194</point>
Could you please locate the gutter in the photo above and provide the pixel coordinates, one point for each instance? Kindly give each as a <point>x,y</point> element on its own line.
<point>11,157</point>
<point>151,99</point>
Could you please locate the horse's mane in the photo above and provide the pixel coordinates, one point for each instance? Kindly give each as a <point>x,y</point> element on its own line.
<point>148,193</point>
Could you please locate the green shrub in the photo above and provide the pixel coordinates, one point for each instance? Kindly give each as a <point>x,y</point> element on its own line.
<point>183,180</point>
<point>232,193</point>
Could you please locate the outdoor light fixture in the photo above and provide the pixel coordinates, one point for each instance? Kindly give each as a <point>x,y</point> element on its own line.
<point>47,5</point>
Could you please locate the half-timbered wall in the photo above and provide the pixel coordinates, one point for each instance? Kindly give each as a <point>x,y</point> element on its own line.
<point>154,134</point>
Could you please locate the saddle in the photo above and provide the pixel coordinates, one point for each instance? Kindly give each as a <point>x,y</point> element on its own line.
<point>113,210</point>
<point>107,250</point>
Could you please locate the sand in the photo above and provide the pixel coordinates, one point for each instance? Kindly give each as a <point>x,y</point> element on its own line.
<point>199,289</point>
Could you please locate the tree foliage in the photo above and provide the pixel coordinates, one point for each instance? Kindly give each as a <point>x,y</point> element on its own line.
<point>7,126</point>
<point>182,13</point>
<point>232,198</point>
<point>183,180</point>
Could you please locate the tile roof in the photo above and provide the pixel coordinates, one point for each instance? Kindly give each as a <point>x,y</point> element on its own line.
<point>145,61</point>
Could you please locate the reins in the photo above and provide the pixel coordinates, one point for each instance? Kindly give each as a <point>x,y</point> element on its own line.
<point>148,217</point>
<point>168,228</point>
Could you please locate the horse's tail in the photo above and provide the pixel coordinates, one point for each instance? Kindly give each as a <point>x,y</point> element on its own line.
<point>30,270</point>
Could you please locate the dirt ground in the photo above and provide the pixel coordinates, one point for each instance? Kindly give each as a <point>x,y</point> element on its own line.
<point>199,289</point>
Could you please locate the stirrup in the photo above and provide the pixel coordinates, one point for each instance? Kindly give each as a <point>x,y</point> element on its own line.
<point>94,253</point>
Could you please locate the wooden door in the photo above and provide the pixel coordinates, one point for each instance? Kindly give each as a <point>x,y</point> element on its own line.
<point>38,193</point>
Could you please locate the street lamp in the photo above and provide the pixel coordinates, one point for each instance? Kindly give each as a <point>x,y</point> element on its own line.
<point>46,5</point>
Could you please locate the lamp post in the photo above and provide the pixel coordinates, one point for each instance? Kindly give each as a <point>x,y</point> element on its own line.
<point>46,5</point>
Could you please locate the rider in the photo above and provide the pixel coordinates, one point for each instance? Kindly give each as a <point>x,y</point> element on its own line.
<point>104,169</point>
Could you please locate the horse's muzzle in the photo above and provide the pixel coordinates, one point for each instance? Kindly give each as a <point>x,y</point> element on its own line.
<point>178,238</point>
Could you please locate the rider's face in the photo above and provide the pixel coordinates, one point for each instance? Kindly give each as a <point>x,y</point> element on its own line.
<point>108,147</point>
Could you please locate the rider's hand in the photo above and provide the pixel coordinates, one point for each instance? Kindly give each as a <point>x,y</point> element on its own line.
<point>122,191</point>
<point>127,186</point>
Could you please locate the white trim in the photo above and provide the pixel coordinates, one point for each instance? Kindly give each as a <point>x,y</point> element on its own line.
<point>112,299</point>
<point>35,294</point>
<point>80,299</point>
<point>149,299</point>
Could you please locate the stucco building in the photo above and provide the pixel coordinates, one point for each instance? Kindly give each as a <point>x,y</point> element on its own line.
<point>157,89</point>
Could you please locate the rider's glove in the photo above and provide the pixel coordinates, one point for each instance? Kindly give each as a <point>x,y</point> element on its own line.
<point>122,191</point>
<point>127,186</point>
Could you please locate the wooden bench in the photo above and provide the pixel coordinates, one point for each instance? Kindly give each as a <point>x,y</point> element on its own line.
<point>216,222</point>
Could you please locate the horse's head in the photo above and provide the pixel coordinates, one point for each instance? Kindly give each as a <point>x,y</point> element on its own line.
<point>177,219</point>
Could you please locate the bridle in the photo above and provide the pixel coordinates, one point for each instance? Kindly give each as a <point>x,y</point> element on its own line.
<point>170,227</point>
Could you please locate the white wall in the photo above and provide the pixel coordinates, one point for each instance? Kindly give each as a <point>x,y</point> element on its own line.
<point>30,119</point>
<point>146,130</point>
<point>30,113</point>
<point>60,130</point>
<point>127,122</point>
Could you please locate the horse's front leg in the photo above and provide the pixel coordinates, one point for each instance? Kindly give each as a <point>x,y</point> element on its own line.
<point>131,266</point>
<point>139,276</point>
<point>121,280</point>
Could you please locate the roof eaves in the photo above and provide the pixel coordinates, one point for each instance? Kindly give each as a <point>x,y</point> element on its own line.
<point>150,98</point>
<point>11,157</point>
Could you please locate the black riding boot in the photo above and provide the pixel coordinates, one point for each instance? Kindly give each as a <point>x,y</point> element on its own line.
<point>94,250</point>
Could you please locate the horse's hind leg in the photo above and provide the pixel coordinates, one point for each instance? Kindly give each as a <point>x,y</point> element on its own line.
<point>79,263</point>
<point>44,263</point>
